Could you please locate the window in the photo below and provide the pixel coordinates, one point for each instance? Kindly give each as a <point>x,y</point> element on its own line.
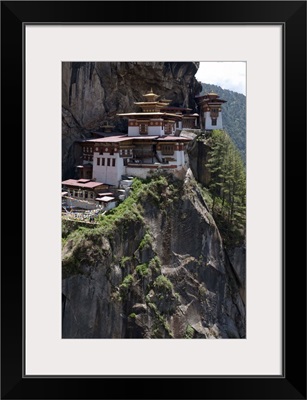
<point>213,121</point>
<point>98,161</point>
<point>108,161</point>
<point>168,128</point>
<point>113,162</point>
<point>111,151</point>
<point>85,194</point>
<point>143,129</point>
<point>91,149</point>
<point>103,161</point>
<point>91,195</point>
<point>101,150</point>
<point>214,112</point>
<point>167,149</point>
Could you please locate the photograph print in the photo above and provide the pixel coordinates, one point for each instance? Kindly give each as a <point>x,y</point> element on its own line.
<point>153,200</point>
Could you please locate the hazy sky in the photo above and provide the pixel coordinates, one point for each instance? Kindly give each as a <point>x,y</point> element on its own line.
<point>228,75</point>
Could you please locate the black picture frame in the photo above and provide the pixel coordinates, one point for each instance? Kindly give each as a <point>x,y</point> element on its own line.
<point>292,16</point>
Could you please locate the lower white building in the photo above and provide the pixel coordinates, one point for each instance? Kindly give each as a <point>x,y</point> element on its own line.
<point>116,156</point>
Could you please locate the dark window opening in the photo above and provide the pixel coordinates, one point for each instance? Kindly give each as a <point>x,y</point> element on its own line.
<point>143,129</point>
<point>167,149</point>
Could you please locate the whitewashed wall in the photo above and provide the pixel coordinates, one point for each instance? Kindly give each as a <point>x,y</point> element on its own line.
<point>208,124</point>
<point>108,174</point>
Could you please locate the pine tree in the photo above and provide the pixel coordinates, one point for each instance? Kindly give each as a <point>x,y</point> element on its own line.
<point>228,181</point>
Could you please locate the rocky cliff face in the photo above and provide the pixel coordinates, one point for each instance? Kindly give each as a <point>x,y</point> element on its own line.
<point>159,271</point>
<point>198,159</point>
<point>94,92</point>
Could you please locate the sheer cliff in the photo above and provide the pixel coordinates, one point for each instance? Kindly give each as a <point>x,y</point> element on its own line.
<point>155,267</point>
<point>94,92</point>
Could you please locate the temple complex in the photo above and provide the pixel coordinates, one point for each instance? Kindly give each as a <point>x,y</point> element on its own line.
<point>153,142</point>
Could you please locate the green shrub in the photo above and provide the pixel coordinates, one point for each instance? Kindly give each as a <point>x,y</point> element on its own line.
<point>127,282</point>
<point>142,269</point>
<point>123,261</point>
<point>189,332</point>
<point>155,265</point>
<point>146,242</point>
<point>163,284</point>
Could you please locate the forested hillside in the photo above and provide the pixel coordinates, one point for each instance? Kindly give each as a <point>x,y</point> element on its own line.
<point>234,115</point>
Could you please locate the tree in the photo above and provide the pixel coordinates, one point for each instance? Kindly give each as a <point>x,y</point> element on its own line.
<point>228,180</point>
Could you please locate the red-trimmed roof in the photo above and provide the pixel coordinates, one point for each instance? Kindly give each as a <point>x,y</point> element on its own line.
<point>105,199</point>
<point>83,180</point>
<point>116,139</point>
<point>143,137</point>
<point>173,138</point>
<point>110,139</point>
<point>205,98</point>
<point>87,185</point>
<point>105,194</point>
<point>144,114</point>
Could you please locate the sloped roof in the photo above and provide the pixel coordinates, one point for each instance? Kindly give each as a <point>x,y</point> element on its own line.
<point>87,185</point>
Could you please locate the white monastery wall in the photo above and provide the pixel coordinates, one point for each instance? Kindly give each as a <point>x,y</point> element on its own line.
<point>155,130</point>
<point>208,123</point>
<point>133,131</point>
<point>108,173</point>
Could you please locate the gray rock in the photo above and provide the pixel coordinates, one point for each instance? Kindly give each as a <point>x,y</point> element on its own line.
<point>200,289</point>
